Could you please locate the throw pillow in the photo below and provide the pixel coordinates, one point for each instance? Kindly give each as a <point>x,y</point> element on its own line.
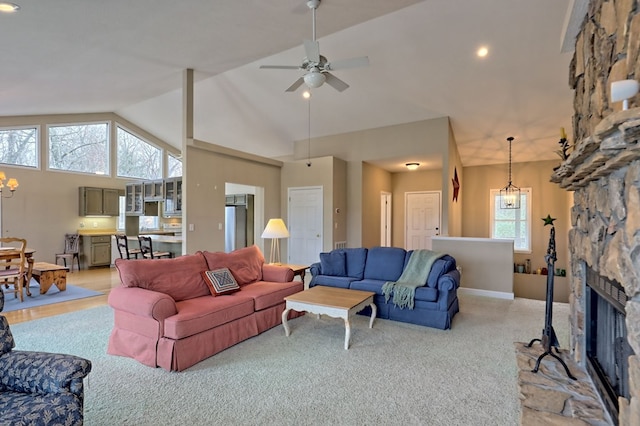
<point>333,263</point>
<point>220,281</point>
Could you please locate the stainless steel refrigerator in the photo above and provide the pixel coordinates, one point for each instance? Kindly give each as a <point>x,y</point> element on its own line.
<point>235,233</point>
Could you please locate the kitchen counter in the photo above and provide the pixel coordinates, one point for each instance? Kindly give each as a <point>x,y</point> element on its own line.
<point>98,232</point>
<point>169,239</point>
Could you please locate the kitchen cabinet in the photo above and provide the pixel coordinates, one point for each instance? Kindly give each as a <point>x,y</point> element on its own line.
<point>98,201</point>
<point>153,190</point>
<point>173,197</point>
<point>237,199</point>
<point>96,250</point>
<point>134,199</point>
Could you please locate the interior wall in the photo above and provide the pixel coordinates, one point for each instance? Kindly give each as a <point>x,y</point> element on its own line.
<point>548,198</point>
<point>296,174</point>
<point>410,181</point>
<point>374,181</point>
<point>453,164</point>
<point>209,170</point>
<point>340,206</point>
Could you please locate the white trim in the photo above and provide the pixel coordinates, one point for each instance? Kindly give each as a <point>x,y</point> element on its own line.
<point>486,293</point>
<point>47,139</point>
<point>493,194</point>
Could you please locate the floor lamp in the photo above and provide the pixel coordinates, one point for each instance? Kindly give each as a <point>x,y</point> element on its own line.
<point>12,184</point>
<point>275,230</point>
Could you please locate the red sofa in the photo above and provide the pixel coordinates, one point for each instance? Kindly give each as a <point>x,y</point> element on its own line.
<point>166,316</point>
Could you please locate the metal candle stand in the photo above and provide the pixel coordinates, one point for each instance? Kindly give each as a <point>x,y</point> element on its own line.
<point>549,338</point>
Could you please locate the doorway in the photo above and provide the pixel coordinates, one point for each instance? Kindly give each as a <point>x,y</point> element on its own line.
<point>305,225</point>
<point>244,216</point>
<point>422,218</point>
<point>385,219</point>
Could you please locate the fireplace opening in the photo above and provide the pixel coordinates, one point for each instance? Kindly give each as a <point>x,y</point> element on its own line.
<point>607,347</point>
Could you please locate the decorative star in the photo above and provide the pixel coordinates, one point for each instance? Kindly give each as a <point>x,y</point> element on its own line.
<point>548,220</point>
<point>456,184</point>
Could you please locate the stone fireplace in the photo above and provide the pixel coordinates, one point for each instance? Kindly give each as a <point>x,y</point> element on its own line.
<point>603,171</point>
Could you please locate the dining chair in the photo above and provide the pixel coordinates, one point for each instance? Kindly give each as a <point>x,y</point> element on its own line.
<point>147,248</point>
<point>13,271</point>
<point>123,248</point>
<point>71,250</point>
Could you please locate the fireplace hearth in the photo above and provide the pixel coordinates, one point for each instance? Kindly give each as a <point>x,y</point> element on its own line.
<point>607,348</point>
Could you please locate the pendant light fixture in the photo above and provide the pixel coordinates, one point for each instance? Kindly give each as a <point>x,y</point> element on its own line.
<point>510,194</point>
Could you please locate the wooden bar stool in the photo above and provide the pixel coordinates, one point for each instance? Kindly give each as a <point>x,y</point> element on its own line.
<point>147,249</point>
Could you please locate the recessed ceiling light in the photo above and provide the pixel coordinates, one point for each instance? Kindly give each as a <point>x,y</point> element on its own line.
<point>482,51</point>
<point>8,7</point>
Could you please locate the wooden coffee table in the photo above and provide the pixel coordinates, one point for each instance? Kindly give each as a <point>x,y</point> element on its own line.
<point>334,302</point>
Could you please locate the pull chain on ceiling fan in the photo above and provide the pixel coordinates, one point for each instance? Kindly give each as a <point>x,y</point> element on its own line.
<point>317,67</point>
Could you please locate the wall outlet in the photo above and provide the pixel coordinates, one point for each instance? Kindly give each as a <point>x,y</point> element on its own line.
<point>95,224</point>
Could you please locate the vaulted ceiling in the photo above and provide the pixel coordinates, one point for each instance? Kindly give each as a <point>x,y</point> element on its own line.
<point>74,56</point>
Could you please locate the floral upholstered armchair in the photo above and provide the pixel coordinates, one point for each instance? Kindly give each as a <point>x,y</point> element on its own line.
<point>39,388</point>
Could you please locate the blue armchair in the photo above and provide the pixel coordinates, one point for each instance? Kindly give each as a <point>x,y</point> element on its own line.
<point>39,388</point>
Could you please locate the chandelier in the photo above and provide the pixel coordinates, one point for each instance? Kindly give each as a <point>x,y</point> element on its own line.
<point>510,194</point>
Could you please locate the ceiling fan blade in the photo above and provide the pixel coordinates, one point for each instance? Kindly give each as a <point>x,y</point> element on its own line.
<point>335,82</point>
<point>295,85</point>
<point>280,67</point>
<point>312,50</point>
<point>362,61</point>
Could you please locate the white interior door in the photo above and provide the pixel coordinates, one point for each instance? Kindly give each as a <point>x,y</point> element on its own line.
<point>422,219</point>
<point>385,219</point>
<point>305,225</point>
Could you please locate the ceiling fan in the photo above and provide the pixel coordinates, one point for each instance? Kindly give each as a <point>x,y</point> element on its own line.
<point>316,66</point>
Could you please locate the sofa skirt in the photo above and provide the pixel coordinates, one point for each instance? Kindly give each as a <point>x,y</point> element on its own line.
<point>178,355</point>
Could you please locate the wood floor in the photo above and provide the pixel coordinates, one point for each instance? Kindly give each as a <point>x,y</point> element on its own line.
<point>99,279</point>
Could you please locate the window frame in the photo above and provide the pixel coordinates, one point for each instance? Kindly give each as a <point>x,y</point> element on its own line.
<point>494,195</point>
<point>38,146</point>
<point>108,123</point>
<point>143,139</point>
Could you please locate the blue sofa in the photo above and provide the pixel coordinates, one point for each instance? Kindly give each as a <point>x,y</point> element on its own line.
<point>436,302</point>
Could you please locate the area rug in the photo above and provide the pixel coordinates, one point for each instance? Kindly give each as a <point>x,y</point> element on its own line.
<point>394,373</point>
<point>53,295</point>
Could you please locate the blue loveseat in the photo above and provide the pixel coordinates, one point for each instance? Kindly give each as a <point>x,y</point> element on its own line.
<point>436,302</point>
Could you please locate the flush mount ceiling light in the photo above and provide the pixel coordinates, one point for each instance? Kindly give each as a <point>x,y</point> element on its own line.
<point>8,7</point>
<point>510,194</point>
<point>412,166</point>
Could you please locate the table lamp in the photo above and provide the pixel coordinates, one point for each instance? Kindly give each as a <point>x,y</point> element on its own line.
<point>275,230</point>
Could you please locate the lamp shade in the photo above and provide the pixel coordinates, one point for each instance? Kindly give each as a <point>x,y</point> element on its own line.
<point>275,229</point>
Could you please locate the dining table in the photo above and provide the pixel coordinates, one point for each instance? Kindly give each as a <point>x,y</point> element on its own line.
<point>8,253</point>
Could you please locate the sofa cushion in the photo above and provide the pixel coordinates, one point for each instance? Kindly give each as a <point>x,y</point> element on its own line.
<point>333,263</point>
<point>197,315</point>
<point>220,282</point>
<point>384,263</point>
<point>355,259</point>
<point>179,277</point>
<point>245,264</point>
<point>267,294</point>
<point>330,281</point>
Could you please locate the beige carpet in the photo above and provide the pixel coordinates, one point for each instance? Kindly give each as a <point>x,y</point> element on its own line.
<point>394,373</point>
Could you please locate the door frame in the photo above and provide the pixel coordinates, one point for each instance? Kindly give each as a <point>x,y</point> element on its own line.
<point>322,233</point>
<point>385,219</point>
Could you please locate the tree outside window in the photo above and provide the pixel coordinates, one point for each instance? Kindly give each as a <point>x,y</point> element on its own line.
<point>136,157</point>
<point>80,148</point>
<point>19,146</point>
<point>174,165</point>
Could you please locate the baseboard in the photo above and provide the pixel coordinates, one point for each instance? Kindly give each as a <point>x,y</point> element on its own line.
<point>486,293</point>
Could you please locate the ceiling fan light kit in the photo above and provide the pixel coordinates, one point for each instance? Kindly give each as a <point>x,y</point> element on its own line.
<point>316,66</point>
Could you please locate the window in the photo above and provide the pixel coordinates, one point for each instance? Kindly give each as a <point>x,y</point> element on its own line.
<point>136,157</point>
<point>174,165</point>
<point>19,146</point>
<point>80,148</point>
<point>512,224</point>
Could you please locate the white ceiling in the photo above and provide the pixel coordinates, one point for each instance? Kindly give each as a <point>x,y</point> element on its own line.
<point>74,56</point>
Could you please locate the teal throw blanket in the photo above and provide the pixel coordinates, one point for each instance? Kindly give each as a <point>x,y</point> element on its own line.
<point>413,276</point>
